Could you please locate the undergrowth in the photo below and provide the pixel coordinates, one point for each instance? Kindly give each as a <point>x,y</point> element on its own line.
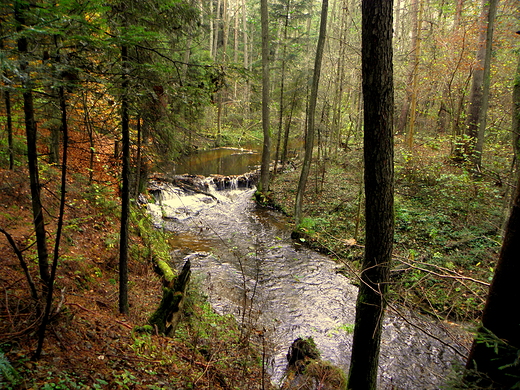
<point>447,226</point>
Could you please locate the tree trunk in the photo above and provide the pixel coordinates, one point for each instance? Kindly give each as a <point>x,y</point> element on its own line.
<point>405,110</point>
<point>167,315</point>
<point>282,86</point>
<point>495,350</point>
<point>379,178</point>
<point>516,117</point>
<point>263,186</point>
<point>125,188</point>
<point>417,53</point>
<point>309,139</point>
<point>479,96</point>
<point>7,99</point>
<point>288,129</point>
<point>63,194</point>
<point>32,153</point>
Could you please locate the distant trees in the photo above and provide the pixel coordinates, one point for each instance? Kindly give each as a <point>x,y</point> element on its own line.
<point>378,93</point>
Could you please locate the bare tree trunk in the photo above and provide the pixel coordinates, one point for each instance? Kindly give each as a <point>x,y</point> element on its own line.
<point>405,109</point>
<point>309,139</point>
<point>125,189</point>
<point>416,57</point>
<point>7,100</point>
<point>379,189</point>
<point>479,96</point>
<point>516,117</point>
<point>63,194</point>
<point>32,153</point>
<point>288,128</point>
<point>263,186</point>
<point>282,86</point>
<point>458,13</point>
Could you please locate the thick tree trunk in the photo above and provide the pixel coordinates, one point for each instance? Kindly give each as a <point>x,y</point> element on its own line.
<point>263,185</point>
<point>495,349</point>
<point>516,117</point>
<point>309,139</point>
<point>379,184</point>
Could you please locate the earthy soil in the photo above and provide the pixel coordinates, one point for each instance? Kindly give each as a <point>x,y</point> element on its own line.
<point>88,345</point>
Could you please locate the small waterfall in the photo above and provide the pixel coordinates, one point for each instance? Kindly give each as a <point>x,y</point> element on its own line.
<point>291,291</point>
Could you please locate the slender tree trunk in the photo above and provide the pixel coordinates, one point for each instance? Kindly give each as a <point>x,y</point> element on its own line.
<point>32,153</point>
<point>63,194</point>
<point>405,110</point>
<point>479,96</point>
<point>379,187</point>
<point>282,87</point>
<point>416,57</point>
<point>7,99</point>
<point>263,186</point>
<point>287,130</point>
<point>309,139</point>
<point>90,132</point>
<point>9,117</point>
<point>125,188</point>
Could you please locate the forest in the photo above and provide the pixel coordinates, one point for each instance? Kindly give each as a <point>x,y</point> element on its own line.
<point>388,136</point>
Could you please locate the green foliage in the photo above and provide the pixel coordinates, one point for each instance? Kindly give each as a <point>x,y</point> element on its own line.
<point>156,247</point>
<point>326,374</point>
<point>9,376</point>
<point>19,148</point>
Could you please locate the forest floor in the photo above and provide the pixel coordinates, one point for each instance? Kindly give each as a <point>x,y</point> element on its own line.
<point>447,239</point>
<point>448,223</point>
<point>88,344</point>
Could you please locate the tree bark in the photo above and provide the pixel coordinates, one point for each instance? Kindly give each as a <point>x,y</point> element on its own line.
<point>63,194</point>
<point>263,186</point>
<point>479,96</point>
<point>7,99</point>
<point>32,153</point>
<point>125,189</point>
<point>167,315</point>
<point>516,117</point>
<point>495,350</point>
<point>378,94</point>
<point>309,139</point>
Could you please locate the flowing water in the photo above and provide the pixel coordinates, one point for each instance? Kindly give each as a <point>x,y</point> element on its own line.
<point>250,267</point>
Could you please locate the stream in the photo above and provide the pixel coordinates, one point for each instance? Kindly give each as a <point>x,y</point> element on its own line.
<point>248,265</point>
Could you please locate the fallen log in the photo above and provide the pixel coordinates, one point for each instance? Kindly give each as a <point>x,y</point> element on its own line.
<point>167,316</point>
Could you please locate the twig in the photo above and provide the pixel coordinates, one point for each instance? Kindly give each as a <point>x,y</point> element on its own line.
<point>125,325</point>
<point>428,333</point>
<point>58,308</point>
<point>457,276</point>
<point>19,255</point>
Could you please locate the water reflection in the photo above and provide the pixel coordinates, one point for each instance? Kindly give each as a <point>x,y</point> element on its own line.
<point>221,161</point>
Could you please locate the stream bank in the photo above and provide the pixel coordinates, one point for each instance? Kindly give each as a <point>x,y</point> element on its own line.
<point>250,267</point>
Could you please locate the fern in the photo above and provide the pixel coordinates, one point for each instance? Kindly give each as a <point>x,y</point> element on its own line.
<point>8,374</point>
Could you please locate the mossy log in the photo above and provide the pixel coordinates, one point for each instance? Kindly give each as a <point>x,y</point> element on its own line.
<point>306,371</point>
<point>167,315</point>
